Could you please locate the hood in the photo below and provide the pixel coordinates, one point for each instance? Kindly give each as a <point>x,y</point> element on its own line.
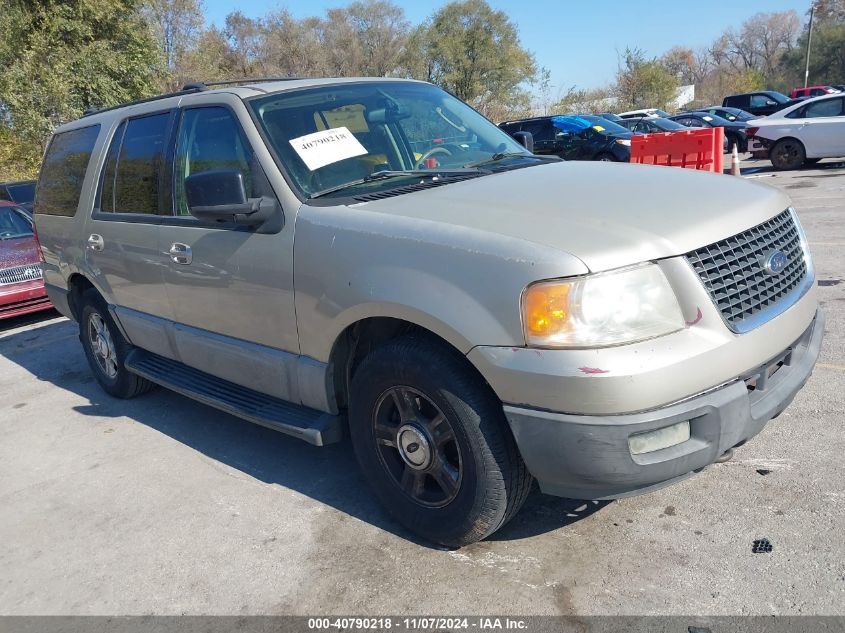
<point>18,252</point>
<point>607,214</point>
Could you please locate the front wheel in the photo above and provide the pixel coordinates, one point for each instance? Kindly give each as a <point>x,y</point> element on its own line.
<point>433,442</point>
<point>787,154</point>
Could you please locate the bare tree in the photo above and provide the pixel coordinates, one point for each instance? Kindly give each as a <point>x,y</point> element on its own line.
<point>177,24</point>
<point>761,42</point>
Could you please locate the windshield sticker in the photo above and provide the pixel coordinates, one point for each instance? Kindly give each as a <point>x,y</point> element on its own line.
<point>326,147</point>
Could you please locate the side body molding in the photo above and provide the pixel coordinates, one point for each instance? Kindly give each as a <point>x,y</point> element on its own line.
<point>298,379</point>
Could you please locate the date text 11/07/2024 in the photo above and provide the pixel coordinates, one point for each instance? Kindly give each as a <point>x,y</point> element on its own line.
<point>417,623</point>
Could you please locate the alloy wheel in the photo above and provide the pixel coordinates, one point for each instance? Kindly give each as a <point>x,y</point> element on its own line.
<point>417,446</point>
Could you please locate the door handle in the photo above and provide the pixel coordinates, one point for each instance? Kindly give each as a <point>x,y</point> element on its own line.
<point>181,253</point>
<point>95,242</point>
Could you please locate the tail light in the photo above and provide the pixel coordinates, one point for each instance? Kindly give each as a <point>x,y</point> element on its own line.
<point>751,131</point>
<point>38,242</point>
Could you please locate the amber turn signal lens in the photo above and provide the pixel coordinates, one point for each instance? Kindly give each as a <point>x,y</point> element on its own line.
<point>546,309</point>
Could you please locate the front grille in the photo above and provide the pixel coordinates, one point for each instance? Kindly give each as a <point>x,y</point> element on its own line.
<point>734,274</point>
<point>18,274</point>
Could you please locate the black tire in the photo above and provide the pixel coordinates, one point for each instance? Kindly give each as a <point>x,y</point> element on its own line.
<point>606,157</point>
<point>489,480</point>
<point>94,314</point>
<point>787,154</point>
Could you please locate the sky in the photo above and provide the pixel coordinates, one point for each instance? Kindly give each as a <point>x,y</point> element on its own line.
<point>577,41</point>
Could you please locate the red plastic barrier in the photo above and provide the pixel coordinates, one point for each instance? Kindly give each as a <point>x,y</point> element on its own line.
<point>692,149</point>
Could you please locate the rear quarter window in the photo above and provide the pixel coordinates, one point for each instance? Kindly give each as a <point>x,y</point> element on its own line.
<point>63,171</point>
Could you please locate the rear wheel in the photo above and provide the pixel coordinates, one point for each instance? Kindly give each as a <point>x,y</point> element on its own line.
<point>433,442</point>
<point>106,349</point>
<point>606,158</point>
<point>787,154</point>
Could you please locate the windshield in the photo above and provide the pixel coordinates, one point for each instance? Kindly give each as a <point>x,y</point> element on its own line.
<point>23,193</point>
<point>13,224</point>
<point>667,125</point>
<point>778,97</point>
<point>741,115</point>
<point>331,136</point>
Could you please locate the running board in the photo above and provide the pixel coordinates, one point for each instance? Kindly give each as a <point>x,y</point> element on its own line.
<point>315,427</point>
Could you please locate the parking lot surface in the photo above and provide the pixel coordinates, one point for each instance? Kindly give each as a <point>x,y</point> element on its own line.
<point>162,505</point>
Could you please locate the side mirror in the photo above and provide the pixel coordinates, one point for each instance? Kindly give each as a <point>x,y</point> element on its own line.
<point>219,195</point>
<point>769,102</point>
<point>526,139</point>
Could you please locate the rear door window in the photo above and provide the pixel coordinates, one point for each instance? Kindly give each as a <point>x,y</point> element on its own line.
<point>824,108</point>
<point>63,171</point>
<point>133,176</point>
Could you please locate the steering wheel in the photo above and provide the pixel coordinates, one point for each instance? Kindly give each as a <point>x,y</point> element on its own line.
<point>448,149</point>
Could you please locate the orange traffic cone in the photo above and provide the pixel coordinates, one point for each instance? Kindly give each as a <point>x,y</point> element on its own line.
<point>735,162</point>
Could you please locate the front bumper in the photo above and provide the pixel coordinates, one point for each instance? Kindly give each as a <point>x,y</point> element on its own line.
<point>23,298</point>
<point>587,457</point>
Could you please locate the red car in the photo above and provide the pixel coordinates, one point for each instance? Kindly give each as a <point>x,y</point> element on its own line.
<point>812,91</point>
<point>21,286</point>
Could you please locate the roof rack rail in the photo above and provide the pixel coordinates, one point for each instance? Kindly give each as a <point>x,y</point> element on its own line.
<point>184,91</point>
<point>207,85</point>
<point>189,88</point>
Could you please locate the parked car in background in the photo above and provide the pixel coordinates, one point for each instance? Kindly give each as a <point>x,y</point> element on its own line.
<point>761,103</point>
<point>734,130</point>
<point>22,193</point>
<point>610,116</point>
<point>21,285</point>
<point>575,137</point>
<point>650,112</point>
<point>803,133</point>
<point>813,91</point>
<point>652,125</point>
<point>731,114</point>
<point>839,87</point>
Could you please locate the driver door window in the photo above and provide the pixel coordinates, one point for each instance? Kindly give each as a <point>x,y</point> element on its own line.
<point>210,139</point>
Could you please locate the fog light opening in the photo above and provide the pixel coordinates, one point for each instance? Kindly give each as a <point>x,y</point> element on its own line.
<point>651,441</point>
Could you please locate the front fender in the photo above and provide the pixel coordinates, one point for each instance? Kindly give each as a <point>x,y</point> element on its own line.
<point>461,283</point>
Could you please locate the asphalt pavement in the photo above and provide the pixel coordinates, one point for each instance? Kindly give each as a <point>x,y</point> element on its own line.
<point>160,505</point>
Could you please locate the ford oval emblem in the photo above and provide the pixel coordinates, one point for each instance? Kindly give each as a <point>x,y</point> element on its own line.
<point>775,262</point>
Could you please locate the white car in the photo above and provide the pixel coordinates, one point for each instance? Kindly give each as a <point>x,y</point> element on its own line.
<point>802,133</point>
<point>649,113</point>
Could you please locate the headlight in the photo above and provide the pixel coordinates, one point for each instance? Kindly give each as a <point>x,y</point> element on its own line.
<point>599,310</point>
<point>623,141</point>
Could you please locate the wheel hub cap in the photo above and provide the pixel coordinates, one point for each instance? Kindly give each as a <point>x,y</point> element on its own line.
<point>414,447</point>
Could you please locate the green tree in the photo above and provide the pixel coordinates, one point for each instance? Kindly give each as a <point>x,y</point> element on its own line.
<point>644,83</point>
<point>827,54</point>
<point>475,52</point>
<point>59,58</point>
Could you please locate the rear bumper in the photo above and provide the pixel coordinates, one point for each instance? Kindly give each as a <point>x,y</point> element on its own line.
<point>23,298</point>
<point>60,298</point>
<point>587,457</point>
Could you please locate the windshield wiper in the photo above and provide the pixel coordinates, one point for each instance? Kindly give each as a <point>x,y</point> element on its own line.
<point>501,156</point>
<point>395,173</point>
